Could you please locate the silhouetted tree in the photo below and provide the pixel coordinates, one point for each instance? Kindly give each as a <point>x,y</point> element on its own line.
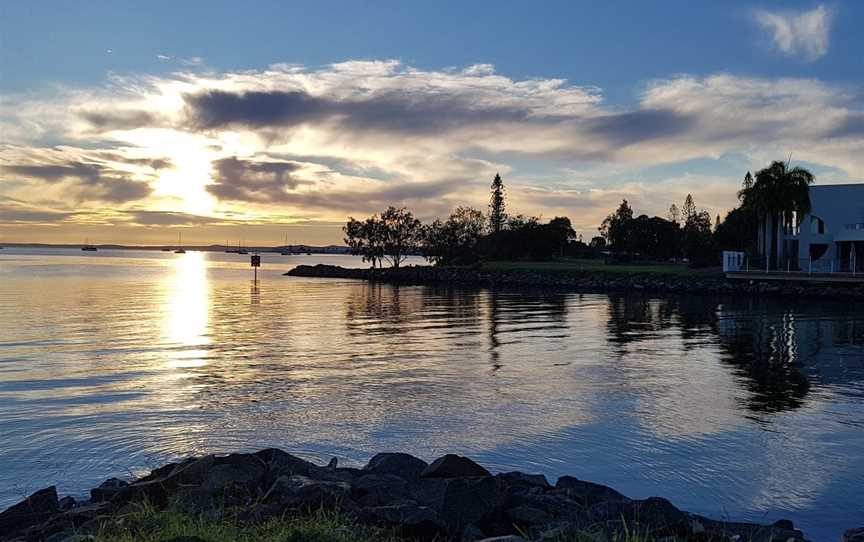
<point>390,236</point>
<point>454,241</point>
<point>674,214</point>
<point>779,195</point>
<point>497,206</point>
<point>597,243</point>
<point>697,240</point>
<point>614,227</point>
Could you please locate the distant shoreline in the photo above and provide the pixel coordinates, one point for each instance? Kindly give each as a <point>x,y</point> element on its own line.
<point>298,249</point>
<point>584,281</point>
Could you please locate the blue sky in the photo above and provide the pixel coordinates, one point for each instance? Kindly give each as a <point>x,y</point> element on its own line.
<point>686,96</point>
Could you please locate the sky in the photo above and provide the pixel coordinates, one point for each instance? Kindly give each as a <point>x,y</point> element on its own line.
<point>128,123</point>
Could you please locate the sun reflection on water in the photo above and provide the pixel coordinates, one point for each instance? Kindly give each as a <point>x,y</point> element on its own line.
<point>186,311</point>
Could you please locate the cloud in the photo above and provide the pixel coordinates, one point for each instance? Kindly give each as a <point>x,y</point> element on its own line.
<point>80,179</point>
<point>169,218</point>
<point>254,181</point>
<point>798,33</point>
<point>120,119</point>
<point>291,142</point>
<point>12,213</point>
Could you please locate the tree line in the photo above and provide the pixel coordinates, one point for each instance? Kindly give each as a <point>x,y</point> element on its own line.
<point>777,196</point>
<point>465,237</point>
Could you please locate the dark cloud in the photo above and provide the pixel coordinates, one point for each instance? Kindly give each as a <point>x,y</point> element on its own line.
<point>93,181</point>
<point>120,119</point>
<point>852,126</point>
<point>401,112</point>
<point>155,163</point>
<point>254,181</point>
<point>636,126</point>
<point>17,214</point>
<point>168,218</point>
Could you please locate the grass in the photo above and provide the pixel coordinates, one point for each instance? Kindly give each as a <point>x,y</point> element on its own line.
<point>597,266</point>
<point>143,523</point>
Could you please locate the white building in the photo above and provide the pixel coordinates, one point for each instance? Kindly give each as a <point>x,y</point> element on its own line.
<point>830,238</point>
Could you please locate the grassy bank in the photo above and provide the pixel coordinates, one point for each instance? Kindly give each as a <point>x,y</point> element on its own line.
<point>569,266</point>
<point>144,523</point>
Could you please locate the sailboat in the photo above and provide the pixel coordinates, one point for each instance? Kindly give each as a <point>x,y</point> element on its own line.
<point>88,247</point>
<point>241,250</point>
<point>286,250</point>
<point>179,244</point>
<point>228,249</point>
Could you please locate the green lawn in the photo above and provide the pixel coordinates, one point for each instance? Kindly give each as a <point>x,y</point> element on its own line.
<point>598,266</point>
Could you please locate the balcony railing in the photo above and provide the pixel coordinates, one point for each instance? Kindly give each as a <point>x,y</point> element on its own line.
<point>856,226</point>
<point>823,266</point>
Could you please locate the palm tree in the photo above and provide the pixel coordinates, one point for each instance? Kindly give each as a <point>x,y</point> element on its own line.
<point>782,194</point>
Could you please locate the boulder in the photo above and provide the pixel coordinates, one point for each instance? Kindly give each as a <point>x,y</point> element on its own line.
<point>235,475</point>
<point>379,489</point>
<point>587,493</point>
<point>520,479</point>
<point>656,515</point>
<point>304,493</point>
<point>525,517</point>
<point>66,503</point>
<point>853,535</point>
<point>462,501</point>
<point>107,489</point>
<point>508,538</point>
<point>453,466</point>
<point>403,465</point>
<point>33,510</point>
<point>410,520</point>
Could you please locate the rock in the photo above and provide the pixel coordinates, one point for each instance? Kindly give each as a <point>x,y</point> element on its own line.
<point>508,538</point>
<point>526,517</point>
<point>410,520</point>
<point>588,493</point>
<point>304,493</point>
<point>379,489</point>
<point>184,539</point>
<point>33,510</point>
<point>853,535</point>
<point>159,486</point>
<point>462,501</point>
<point>107,489</point>
<point>656,515</point>
<point>403,465</point>
<point>453,466</point>
<point>235,475</point>
<point>783,524</point>
<point>66,503</point>
<point>472,533</point>
<point>520,479</point>
<point>333,463</point>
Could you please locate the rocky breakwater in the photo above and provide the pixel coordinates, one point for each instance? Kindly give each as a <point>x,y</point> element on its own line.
<point>453,498</point>
<point>583,281</point>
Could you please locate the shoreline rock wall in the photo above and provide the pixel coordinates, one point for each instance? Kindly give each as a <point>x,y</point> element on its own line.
<point>585,281</point>
<point>453,498</point>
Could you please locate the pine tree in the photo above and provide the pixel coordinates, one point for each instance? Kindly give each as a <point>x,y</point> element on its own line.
<point>497,214</point>
<point>689,210</point>
<point>674,214</point>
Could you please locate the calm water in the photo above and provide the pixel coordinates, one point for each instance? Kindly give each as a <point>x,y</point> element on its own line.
<point>117,361</point>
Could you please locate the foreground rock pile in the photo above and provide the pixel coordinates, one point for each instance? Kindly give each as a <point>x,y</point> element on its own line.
<point>583,281</point>
<point>452,498</point>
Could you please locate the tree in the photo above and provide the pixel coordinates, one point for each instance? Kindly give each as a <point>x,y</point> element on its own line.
<point>454,241</point>
<point>689,208</point>
<point>597,243</point>
<point>779,196</point>
<point>614,227</point>
<point>674,214</point>
<point>364,239</point>
<point>697,234</point>
<point>390,236</point>
<point>497,206</point>
<point>401,232</point>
